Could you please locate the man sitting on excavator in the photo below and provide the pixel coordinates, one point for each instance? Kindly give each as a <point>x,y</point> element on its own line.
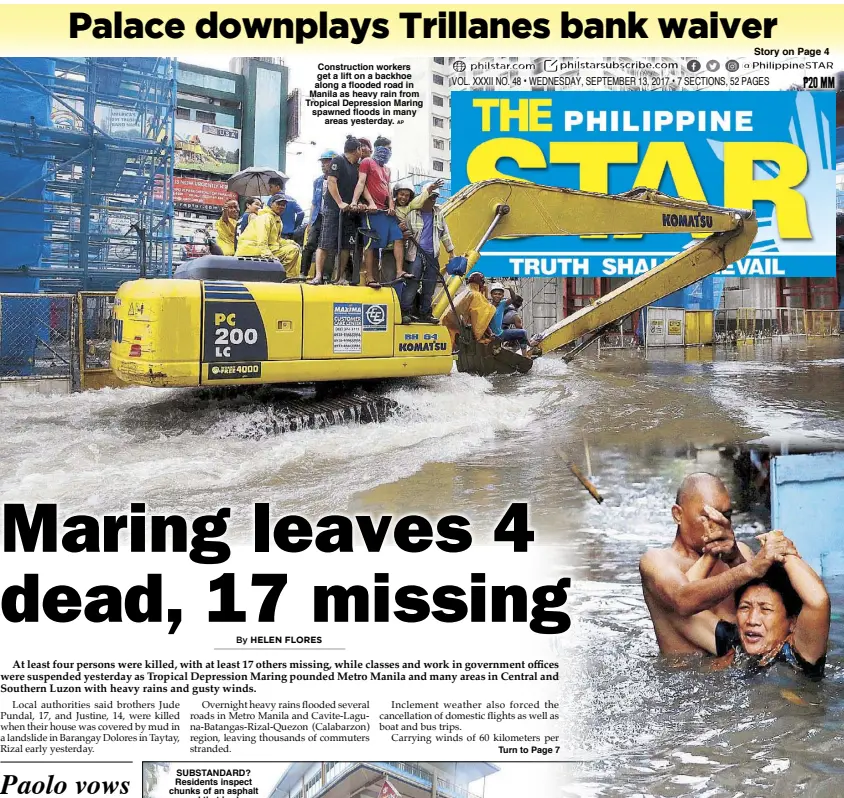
<point>470,308</point>
<point>496,325</point>
<point>262,238</point>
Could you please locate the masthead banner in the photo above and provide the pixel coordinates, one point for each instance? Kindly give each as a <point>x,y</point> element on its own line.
<point>768,151</point>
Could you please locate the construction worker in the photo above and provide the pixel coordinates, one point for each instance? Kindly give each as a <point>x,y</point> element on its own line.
<point>426,230</point>
<point>339,224</point>
<point>380,217</point>
<point>496,324</point>
<point>294,216</point>
<point>315,220</point>
<point>262,238</point>
<point>226,225</point>
<point>472,308</point>
<point>404,193</point>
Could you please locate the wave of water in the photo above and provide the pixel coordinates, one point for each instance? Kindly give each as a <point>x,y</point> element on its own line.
<point>181,449</point>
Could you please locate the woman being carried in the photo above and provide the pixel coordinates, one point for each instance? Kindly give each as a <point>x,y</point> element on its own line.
<point>783,616</point>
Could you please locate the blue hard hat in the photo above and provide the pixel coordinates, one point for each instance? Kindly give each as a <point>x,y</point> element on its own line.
<point>327,154</point>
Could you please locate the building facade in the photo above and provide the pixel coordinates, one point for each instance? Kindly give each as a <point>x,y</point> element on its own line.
<point>226,120</point>
<point>365,779</point>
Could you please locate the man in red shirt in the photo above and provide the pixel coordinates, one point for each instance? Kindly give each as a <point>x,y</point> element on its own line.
<point>381,222</point>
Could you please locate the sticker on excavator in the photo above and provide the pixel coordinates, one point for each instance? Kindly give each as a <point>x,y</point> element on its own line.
<point>348,327</point>
<point>374,318</point>
<point>233,329</point>
<point>234,371</point>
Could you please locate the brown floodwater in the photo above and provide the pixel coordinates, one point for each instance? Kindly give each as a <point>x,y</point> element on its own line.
<point>472,445</point>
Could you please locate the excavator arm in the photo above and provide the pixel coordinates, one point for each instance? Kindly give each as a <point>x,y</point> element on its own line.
<point>510,208</point>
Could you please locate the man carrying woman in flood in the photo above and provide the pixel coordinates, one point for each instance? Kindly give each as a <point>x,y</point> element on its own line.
<point>707,593</point>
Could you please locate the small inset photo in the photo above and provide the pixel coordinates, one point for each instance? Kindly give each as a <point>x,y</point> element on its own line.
<point>351,779</point>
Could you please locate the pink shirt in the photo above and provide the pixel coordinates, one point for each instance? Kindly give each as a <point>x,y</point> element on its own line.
<point>377,181</point>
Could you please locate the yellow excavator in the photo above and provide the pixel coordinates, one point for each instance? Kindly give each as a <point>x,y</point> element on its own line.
<point>238,322</point>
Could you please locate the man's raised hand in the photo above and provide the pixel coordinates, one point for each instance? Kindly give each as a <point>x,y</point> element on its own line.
<point>718,539</point>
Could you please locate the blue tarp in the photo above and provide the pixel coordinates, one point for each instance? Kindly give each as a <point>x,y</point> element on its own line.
<point>22,224</point>
<point>702,295</point>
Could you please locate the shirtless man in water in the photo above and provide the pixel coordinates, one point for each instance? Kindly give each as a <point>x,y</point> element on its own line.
<point>702,512</point>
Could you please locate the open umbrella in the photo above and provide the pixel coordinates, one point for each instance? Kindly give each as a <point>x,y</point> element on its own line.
<point>254,181</point>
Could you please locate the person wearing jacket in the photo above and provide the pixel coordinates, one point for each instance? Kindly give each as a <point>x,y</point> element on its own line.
<point>294,215</point>
<point>426,231</point>
<point>253,207</point>
<point>262,238</point>
<point>496,324</point>
<point>315,219</point>
<point>406,199</point>
<point>226,225</point>
<point>473,309</point>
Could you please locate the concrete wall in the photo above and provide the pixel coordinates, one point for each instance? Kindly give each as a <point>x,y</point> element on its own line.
<point>543,302</point>
<point>44,386</point>
<point>750,292</point>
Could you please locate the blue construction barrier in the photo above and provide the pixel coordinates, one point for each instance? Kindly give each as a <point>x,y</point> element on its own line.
<point>23,224</point>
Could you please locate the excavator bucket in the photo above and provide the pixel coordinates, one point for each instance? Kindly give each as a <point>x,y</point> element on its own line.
<point>486,359</point>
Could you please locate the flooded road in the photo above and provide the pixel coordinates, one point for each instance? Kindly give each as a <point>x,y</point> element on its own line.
<point>472,445</point>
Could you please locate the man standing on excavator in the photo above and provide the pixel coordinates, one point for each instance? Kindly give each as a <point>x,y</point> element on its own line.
<point>339,224</point>
<point>426,230</point>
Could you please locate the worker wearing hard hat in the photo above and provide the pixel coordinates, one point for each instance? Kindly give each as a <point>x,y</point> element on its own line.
<point>496,324</point>
<point>226,225</point>
<point>262,238</point>
<point>405,196</point>
<point>471,307</point>
<point>315,219</point>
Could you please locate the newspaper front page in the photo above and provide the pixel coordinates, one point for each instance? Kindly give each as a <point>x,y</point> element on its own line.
<point>457,388</point>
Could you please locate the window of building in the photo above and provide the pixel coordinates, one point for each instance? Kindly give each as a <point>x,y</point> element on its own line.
<point>438,100</point>
<point>439,60</point>
<point>183,113</point>
<point>225,120</point>
<point>439,144</point>
<point>439,166</point>
<point>439,122</point>
<point>214,82</point>
<point>439,79</point>
<point>312,785</point>
<point>207,117</point>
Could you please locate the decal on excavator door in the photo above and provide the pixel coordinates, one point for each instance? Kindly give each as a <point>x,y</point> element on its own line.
<point>233,330</point>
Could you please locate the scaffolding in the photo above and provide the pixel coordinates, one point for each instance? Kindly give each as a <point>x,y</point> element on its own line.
<point>101,209</point>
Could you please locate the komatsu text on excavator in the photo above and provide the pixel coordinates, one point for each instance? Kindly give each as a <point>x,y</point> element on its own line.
<point>239,323</point>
